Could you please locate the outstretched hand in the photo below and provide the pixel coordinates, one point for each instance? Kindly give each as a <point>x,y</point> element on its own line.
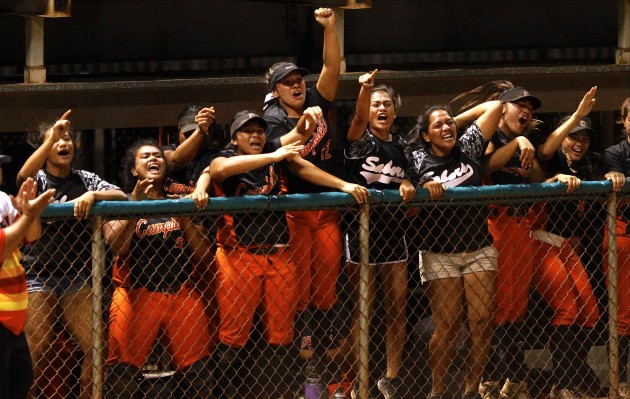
<point>367,79</point>
<point>60,128</point>
<point>587,103</point>
<point>26,202</point>
<point>142,190</point>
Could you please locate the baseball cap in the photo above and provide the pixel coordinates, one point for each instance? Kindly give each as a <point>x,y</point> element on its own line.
<point>283,69</point>
<point>519,93</point>
<point>584,124</point>
<point>4,158</point>
<point>186,121</point>
<point>244,119</point>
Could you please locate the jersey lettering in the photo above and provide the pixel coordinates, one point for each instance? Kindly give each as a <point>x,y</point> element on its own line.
<point>456,178</point>
<point>318,135</point>
<point>383,173</point>
<point>144,229</point>
<point>271,179</point>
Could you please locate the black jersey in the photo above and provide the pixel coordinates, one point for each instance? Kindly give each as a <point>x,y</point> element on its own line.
<point>317,148</point>
<point>378,164</point>
<point>512,172</point>
<point>374,163</point>
<point>253,228</point>
<point>568,218</point>
<point>617,159</point>
<point>158,254</point>
<point>64,246</point>
<point>458,228</point>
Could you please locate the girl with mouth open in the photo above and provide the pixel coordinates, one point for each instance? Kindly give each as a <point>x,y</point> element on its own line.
<point>315,234</point>
<point>458,261</point>
<point>513,157</point>
<point>156,297</point>
<point>58,265</point>
<point>254,264</point>
<point>375,158</point>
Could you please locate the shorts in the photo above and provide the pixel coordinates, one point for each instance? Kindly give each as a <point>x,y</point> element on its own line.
<point>435,266</point>
<point>59,285</point>
<point>392,251</point>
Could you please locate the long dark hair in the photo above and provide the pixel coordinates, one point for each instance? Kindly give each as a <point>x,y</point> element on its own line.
<point>480,94</point>
<point>129,162</point>
<point>414,138</point>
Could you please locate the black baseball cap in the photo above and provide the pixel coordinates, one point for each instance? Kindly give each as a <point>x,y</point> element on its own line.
<point>186,120</point>
<point>244,119</point>
<point>519,93</point>
<point>584,124</point>
<point>283,69</point>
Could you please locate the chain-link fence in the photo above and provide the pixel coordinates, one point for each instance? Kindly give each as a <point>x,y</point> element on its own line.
<point>413,292</point>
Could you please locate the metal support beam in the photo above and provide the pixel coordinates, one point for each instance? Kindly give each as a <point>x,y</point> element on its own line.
<point>339,27</point>
<point>623,42</point>
<point>34,70</point>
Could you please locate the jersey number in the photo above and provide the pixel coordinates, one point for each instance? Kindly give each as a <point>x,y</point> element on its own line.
<point>325,154</point>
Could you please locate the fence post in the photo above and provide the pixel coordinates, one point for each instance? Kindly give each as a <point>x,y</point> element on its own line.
<point>613,343</point>
<point>98,262</point>
<point>363,373</point>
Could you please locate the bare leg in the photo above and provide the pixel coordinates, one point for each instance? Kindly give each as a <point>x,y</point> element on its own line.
<point>395,286</point>
<point>77,315</point>
<point>40,319</point>
<point>446,300</point>
<point>480,291</point>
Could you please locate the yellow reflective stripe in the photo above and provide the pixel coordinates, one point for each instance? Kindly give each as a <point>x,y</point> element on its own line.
<point>13,302</point>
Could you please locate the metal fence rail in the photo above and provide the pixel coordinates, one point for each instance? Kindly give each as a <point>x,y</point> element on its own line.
<point>360,343</point>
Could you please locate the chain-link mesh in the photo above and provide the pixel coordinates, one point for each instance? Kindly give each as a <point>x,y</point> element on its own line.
<point>483,291</point>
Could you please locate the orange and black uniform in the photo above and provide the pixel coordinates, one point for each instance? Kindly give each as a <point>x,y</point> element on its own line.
<point>617,159</point>
<point>254,266</point>
<point>560,275</point>
<point>316,239</point>
<point>155,294</point>
<point>510,227</point>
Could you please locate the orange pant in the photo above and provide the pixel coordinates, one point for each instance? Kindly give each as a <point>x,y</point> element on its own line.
<point>316,248</point>
<point>564,284</point>
<point>245,281</point>
<point>137,315</point>
<point>623,275</point>
<point>515,264</point>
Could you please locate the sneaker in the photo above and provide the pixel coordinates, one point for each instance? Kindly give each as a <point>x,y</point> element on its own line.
<point>514,390</point>
<point>389,387</point>
<point>489,389</point>
<point>624,391</point>
<point>566,393</point>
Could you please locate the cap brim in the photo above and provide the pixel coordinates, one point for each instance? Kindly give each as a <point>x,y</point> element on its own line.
<point>237,125</point>
<point>189,128</point>
<point>284,73</point>
<point>590,131</point>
